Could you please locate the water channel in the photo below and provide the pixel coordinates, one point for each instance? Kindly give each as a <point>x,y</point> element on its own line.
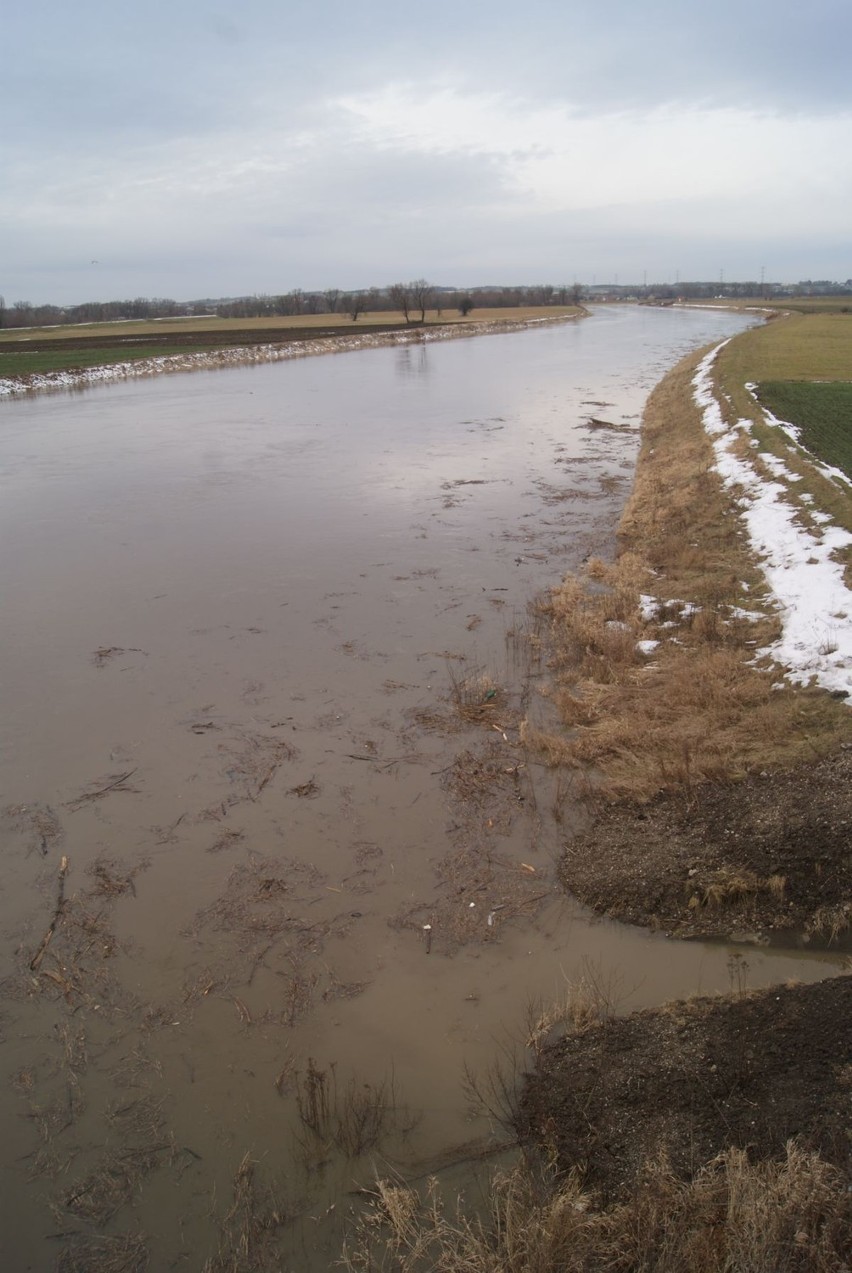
<point>240,610</point>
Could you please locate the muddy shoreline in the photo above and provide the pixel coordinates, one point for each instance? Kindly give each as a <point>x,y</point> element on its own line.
<point>751,846</point>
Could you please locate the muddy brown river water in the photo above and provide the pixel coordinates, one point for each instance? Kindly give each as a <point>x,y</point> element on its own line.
<point>266,651</point>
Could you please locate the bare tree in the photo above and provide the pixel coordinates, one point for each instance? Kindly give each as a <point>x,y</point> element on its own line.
<point>2,310</point>
<point>332,296</point>
<point>354,303</point>
<point>465,305</point>
<point>400,298</point>
<point>422,294</point>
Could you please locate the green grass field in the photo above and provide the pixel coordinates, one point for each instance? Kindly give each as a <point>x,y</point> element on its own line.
<point>805,352</point>
<point>25,363</point>
<point>823,412</point>
<point>786,304</point>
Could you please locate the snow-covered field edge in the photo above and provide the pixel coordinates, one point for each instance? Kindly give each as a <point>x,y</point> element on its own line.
<point>799,562</point>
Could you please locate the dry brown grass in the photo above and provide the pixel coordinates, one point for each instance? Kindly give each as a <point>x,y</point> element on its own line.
<point>732,1217</point>
<point>831,922</point>
<point>593,997</point>
<point>476,696</point>
<point>697,705</point>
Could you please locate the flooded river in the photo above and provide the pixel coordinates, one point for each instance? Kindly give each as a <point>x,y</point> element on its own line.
<point>276,869</point>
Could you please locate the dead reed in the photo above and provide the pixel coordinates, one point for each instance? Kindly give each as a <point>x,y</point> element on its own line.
<point>733,1216</point>
<point>248,1232</point>
<point>476,697</point>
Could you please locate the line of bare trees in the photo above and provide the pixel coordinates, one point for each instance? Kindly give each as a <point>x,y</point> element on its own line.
<point>412,300</point>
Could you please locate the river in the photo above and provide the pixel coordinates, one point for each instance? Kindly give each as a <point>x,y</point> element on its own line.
<point>241,613</point>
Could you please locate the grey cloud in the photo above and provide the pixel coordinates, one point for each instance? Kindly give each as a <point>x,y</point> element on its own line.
<point>165,141</point>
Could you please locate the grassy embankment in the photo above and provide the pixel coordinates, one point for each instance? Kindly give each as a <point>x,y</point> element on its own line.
<point>785,304</point>
<point>25,352</point>
<point>699,707</point>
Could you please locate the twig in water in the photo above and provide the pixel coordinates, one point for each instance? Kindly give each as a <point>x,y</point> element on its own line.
<point>102,791</point>
<point>60,906</point>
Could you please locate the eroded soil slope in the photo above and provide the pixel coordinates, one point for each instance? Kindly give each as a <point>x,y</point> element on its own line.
<point>694,1078</point>
<point>769,855</point>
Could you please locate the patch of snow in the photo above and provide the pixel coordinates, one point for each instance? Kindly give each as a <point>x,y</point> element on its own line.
<point>646,647</point>
<point>736,612</point>
<point>799,564</point>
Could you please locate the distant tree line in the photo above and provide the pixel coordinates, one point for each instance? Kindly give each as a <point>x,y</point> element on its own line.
<point>411,300</point>
<point>24,314</point>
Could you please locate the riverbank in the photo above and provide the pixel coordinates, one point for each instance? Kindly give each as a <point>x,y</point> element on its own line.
<point>708,1136</point>
<point>715,755</point>
<point>704,681</point>
<point>243,351</point>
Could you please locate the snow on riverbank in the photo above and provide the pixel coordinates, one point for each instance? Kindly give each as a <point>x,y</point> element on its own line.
<point>252,355</point>
<point>799,562</point>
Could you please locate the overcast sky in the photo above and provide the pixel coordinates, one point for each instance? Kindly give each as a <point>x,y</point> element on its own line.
<point>189,148</point>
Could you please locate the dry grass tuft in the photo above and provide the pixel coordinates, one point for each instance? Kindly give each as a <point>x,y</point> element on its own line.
<point>476,697</point>
<point>732,1217</point>
<point>592,998</point>
<point>830,922</point>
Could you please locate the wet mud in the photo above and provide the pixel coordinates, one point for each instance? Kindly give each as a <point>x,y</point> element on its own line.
<point>277,868</point>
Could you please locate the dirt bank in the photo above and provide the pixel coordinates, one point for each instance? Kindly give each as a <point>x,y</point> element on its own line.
<point>691,1079</point>
<point>767,857</point>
